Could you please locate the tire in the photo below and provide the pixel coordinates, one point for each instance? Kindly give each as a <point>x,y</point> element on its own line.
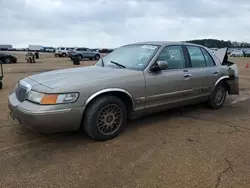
<point>218,97</point>
<point>98,109</point>
<point>97,57</point>
<point>8,60</point>
<point>64,55</point>
<point>80,57</point>
<point>1,85</point>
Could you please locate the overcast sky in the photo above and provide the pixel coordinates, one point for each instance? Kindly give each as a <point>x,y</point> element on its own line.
<point>111,23</point>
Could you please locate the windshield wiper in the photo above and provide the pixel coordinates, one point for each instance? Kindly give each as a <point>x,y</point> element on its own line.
<point>118,64</point>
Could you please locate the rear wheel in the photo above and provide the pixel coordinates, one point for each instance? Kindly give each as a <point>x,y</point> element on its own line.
<point>80,57</point>
<point>105,118</point>
<point>1,85</point>
<point>217,98</point>
<point>64,55</point>
<point>97,57</point>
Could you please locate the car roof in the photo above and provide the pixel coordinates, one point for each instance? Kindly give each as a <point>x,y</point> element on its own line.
<point>165,43</point>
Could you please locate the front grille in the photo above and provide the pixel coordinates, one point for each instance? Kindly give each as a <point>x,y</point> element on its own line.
<point>21,92</point>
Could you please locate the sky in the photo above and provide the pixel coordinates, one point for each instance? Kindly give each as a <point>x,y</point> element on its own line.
<point>112,23</point>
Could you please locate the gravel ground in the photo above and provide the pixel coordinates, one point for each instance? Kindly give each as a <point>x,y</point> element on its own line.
<point>186,147</point>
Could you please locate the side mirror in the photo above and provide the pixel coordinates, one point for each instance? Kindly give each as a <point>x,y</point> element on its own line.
<point>162,64</point>
<point>159,65</point>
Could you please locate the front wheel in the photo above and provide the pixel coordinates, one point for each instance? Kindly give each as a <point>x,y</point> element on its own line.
<point>7,60</point>
<point>217,98</point>
<point>105,118</point>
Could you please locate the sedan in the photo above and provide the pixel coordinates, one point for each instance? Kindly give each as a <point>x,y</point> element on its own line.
<point>7,58</point>
<point>130,82</point>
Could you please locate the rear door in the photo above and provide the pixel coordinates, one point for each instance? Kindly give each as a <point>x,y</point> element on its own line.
<point>84,52</point>
<point>89,53</point>
<point>203,70</point>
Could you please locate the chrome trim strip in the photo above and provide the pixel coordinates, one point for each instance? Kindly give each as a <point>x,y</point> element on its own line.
<point>109,90</point>
<point>221,78</point>
<point>140,100</point>
<point>43,112</point>
<point>168,95</point>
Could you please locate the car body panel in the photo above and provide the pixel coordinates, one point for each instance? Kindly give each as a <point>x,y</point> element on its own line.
<point>88,81</point>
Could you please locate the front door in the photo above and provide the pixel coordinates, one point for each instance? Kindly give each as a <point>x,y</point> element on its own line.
<point>170,85</point>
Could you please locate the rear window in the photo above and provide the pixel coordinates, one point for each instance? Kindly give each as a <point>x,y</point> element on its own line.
<point>196,56</point>
<point>208,58</point>
<point>81,49</point>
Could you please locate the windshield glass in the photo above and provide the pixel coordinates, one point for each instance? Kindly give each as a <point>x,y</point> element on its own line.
<point>134,57</point>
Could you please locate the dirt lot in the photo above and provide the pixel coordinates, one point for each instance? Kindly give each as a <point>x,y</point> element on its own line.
<point>187,147</point>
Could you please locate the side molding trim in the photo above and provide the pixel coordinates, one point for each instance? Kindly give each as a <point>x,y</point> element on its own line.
<point>221,78</point>
<point>106,91</point>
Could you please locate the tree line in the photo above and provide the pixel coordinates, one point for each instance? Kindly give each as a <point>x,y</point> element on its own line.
<point>214,43</point>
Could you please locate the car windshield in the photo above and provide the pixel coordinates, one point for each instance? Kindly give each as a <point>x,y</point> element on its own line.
<point>134,57</point>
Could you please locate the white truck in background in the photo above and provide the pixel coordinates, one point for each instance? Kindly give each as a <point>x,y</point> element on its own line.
<point>35,47</point>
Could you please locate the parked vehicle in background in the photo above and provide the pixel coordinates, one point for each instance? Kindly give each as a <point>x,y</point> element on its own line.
<point>213,49</point>
<point>237,53</point>
<point>62,51</point>
<point>131,81</point>
<point>82,53</point>
<point>7,58</point>
<point>33,48</point>
<point>247,53</point>
<point>48,49</point>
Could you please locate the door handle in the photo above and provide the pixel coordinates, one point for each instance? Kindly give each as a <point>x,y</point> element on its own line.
<point>216,73</point>
<point>187,75</point>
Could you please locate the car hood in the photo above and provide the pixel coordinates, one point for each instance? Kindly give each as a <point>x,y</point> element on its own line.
<point>59,78</point>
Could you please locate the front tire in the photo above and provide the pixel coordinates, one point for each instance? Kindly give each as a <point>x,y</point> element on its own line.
<point>8,60</point>
<point>105,118</point>
<point>218,97</point>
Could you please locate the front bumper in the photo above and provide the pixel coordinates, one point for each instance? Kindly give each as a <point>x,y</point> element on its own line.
<point>233,86</point>
<point>45,121</point>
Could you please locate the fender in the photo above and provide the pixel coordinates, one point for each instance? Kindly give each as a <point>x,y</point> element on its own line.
<point>107,91</point>
<point>218,81</point>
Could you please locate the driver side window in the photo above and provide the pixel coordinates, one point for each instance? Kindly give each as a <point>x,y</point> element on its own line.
<point>174,56</point>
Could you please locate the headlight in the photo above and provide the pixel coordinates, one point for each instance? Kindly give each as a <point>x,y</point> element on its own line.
<point>48,99</point>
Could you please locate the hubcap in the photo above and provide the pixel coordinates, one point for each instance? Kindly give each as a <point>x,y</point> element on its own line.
<point>220,95</point>
<point>7,60</point>
<point>109,119</point>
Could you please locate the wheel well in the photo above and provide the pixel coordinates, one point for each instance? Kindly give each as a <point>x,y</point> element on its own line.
<point>224,81</point>
<point>125,98</point>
